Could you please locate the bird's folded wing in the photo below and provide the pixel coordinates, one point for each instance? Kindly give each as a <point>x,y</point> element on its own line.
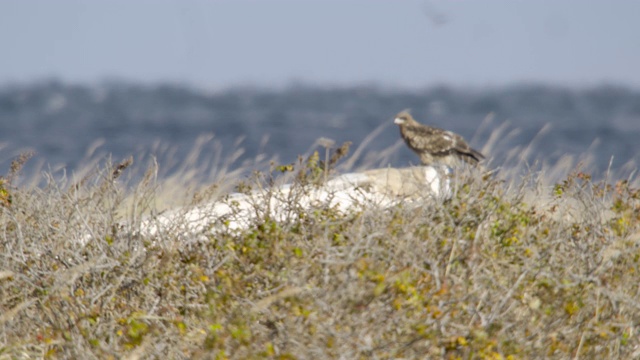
<point>431,140</point>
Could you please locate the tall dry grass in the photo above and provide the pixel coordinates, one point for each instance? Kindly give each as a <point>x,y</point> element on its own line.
<point>516,265</point>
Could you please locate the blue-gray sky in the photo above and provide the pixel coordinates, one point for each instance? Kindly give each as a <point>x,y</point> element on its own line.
<point>413,43</point>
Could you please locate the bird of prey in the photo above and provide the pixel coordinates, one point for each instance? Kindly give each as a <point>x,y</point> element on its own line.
<point>433,145</point>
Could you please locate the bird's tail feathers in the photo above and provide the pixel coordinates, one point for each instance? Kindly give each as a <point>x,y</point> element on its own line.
<point>476,154</point>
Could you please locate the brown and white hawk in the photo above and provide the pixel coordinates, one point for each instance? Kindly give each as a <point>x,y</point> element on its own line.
<point>434,145</point>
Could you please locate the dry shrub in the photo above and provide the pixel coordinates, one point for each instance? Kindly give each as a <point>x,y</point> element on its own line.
<point>504,269</point>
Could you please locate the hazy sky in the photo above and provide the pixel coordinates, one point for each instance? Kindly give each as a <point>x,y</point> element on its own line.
<point>217,44</point>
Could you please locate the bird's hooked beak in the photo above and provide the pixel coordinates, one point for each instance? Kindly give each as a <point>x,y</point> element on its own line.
<point>398,121</point>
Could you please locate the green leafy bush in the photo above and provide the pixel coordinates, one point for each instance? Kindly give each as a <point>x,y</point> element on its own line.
<point>502,270</point>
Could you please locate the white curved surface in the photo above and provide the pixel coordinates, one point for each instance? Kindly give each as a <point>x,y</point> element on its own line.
<point>380,188</point>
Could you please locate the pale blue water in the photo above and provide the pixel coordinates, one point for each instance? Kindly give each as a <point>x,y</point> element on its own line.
<point>61,121</point>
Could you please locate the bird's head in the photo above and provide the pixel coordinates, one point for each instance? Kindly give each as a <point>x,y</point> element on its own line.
<point>403,117</point>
